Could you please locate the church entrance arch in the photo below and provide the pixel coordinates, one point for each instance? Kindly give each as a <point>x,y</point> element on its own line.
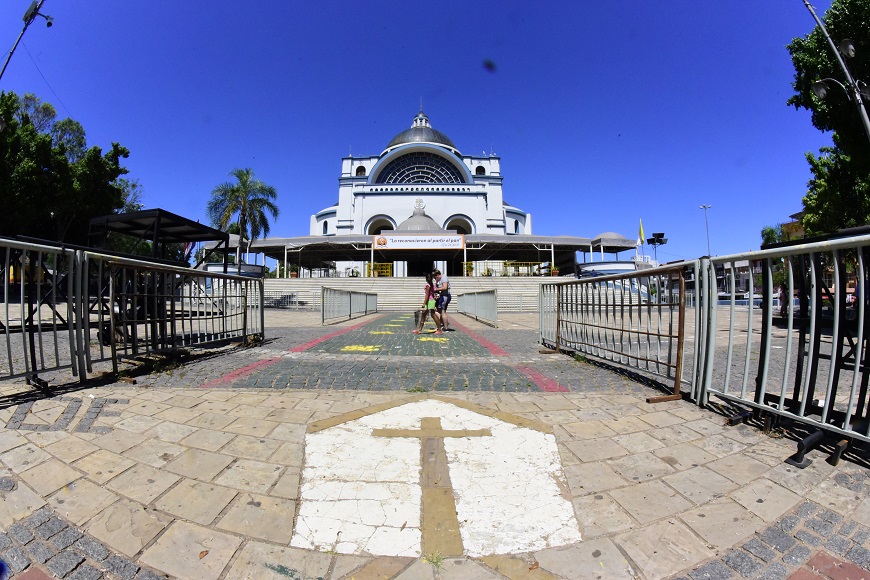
<point>377,224</point>
<point>462,224</point>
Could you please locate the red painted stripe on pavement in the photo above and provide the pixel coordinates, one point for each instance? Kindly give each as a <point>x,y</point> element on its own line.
<point>542,381</point>
<point>492,347</point>
<point>238,373</point>
<point>324,338</point>
<point>246,370</point>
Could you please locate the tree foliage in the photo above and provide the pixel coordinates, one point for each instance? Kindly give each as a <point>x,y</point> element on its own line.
<point>248,198</point>
<point>51,185</point>
<point>838,194</point>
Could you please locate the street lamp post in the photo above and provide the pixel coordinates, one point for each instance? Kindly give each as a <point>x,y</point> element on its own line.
<point>705,207</point>
<point>852,87</point>
<point>29,17</point>
<point>655,241</point>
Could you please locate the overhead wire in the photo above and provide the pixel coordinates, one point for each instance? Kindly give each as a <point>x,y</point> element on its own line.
<point>46,81</point>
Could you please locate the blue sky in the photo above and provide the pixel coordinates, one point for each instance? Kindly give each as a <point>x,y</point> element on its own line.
<point>603,113</point>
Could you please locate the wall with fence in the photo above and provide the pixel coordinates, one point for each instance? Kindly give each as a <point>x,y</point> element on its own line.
<point>64,310</point>
<point>794,345</point>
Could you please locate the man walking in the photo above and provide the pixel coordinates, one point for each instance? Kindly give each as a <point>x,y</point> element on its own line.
<point>442,287</point>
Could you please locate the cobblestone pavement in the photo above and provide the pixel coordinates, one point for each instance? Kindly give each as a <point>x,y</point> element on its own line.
<point>203,470</point>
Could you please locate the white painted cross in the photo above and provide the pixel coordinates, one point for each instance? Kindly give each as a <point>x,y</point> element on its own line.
<point>361,493</point>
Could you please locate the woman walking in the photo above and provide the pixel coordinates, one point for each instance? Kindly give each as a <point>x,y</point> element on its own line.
<point>429,307</point>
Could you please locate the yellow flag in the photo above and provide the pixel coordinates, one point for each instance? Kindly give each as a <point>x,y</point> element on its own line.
<point>640,236</point>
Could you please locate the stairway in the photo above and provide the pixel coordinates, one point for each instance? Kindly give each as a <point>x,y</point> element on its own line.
<point>515,294</point>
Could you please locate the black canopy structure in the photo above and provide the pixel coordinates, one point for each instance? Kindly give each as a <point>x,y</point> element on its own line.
<point>161,228</point>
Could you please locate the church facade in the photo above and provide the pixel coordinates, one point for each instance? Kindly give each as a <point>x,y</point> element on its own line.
<point>421,204</point>
<point>420,169</point>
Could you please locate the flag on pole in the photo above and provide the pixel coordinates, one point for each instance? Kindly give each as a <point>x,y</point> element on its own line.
<point>640,236</point>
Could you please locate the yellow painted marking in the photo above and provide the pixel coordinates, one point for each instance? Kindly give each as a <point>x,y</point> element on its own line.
<point>360,348</point>
<point>382,332</point>
<point>394,325</point>
<point>432,339</point>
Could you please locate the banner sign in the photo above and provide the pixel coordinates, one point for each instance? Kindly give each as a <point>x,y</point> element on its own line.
<point>418,242</point>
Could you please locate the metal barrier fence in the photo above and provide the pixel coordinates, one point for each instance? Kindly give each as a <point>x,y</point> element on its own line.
<point>629,319</point>
<point>482,306</point>
<point>337,305</point>
<point>67,309</point>
<point>799,351</point>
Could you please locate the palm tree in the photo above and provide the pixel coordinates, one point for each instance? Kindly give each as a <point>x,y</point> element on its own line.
<point>250,198</point>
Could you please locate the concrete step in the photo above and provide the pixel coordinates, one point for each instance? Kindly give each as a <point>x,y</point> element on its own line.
<point>515,294</point>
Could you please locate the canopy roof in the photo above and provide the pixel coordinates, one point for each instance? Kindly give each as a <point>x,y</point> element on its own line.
<point>320,251</point>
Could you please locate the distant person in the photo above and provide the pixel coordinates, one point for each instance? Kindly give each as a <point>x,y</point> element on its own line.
<point>429,305</point>
<point>442,288</point>
<point>783,301</point>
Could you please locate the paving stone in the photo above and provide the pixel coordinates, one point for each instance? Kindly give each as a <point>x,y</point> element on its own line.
<point>711,571</point>
<point>50,528</point>
<point>820,526</point>
<point>830,516</point>
<point>66,538</point>
<point>806,509</point>
<point>743,563</point>
<point>7,484</point>
<point>40,552</point>
<point>92,548</point>
<point>85,572</point>
<point>775,572</point>
<point>145,574</point>
<point>16,559</point>
<point>808,537</point>
<point>121,567</point>
<point>20,534</point>
<point>848,528</point>
<point>789,523</point>
<point>838,545</point>
<point>862,536</point>
<point>860,555</point>
<point>778,539</point>
<point>65,562</point>
<point>39,517</point>
<point>797,556</point>
<point>5,541</point>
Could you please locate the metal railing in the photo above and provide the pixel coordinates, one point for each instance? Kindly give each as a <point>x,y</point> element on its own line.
<point>507,268</point>
<point>799,351</point>
<point>64,309</point>
<point>337,305</point>
<point>635,320</point>
<point>482,306</point>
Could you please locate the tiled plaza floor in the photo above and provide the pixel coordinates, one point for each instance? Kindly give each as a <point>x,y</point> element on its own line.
<point>363,451</point>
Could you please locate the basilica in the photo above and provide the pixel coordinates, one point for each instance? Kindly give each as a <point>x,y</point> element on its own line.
<point>461,193</point>
<point>422,204</point>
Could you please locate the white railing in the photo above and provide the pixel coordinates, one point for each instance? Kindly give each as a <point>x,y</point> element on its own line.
<point>64,309</point>
<point>337,305</point>
<point>482,306</point>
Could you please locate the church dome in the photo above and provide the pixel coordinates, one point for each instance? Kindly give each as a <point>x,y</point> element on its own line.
<point>419,221</point>
<point>421,132</point>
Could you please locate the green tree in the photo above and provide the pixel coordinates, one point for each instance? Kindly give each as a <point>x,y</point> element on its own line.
<point>46,193</point>
<point>40,114</point>
<point>248,198</point>
<point>838,194</point>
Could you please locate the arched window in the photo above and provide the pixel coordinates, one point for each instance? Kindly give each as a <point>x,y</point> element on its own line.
<point>325,225</point>
<point>480,170</point>
<point>360,171</point>
<point>420,167</point>
<point>516,226</point>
